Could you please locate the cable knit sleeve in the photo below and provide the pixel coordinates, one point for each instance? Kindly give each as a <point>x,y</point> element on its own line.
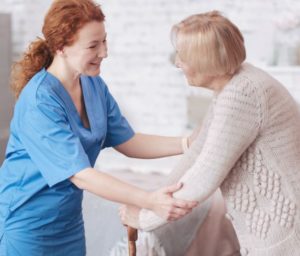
<point>189,157</point>
<point>236,121</point>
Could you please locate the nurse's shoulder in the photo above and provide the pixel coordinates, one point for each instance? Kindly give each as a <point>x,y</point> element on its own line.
<point>40,89</point>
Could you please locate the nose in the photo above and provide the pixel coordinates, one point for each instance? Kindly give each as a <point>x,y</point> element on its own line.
<point>102,53</point>
<point>177,61</point>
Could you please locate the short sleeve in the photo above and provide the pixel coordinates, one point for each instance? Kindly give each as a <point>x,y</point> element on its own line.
<point>52,146</point>
<point>118,128</point>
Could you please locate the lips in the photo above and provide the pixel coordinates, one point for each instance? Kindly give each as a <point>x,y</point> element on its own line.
<point>95,63</point>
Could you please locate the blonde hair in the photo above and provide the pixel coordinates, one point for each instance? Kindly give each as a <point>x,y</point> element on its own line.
<point>210,43</point>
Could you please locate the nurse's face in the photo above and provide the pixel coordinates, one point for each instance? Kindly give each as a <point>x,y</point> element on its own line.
<point>85,55</point>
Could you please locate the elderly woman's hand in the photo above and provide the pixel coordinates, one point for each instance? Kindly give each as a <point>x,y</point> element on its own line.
<point>129,215</point>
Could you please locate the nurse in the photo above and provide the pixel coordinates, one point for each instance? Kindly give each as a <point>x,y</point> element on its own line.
<point>63,117</point>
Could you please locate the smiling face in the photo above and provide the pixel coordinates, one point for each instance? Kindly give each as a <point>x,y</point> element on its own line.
<point>85,55</point>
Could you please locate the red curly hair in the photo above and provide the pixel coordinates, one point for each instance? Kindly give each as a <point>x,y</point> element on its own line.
<point>61,24</point>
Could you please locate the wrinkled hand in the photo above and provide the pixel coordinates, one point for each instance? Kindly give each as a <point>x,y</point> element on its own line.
<point>167,207</point>
<point>129,215</point>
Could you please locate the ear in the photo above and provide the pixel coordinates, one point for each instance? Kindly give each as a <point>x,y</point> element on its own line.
<point>61,52</point>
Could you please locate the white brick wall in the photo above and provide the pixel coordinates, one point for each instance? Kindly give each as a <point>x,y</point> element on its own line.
<point>150,91</point>
<point>27,18</point>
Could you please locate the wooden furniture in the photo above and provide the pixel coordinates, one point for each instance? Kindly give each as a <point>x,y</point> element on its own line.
<point>132,234</point>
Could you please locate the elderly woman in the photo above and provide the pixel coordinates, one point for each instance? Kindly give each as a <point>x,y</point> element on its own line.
<point>249,145</point>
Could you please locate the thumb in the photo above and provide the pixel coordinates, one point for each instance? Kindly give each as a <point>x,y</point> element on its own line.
<point>173,188</point>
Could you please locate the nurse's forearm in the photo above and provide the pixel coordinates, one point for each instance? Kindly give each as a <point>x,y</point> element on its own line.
<point>160,201</point>
<point>151,146</point>
<point>110,188</point>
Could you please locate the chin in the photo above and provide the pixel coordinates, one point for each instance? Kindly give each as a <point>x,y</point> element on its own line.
<point>95,73</point>
<point>192,83</point>
<point>92,72</point>
<point>198,85</point>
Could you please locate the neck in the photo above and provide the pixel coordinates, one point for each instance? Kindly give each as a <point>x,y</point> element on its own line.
<point>219,82</point>
<point>64,74</point>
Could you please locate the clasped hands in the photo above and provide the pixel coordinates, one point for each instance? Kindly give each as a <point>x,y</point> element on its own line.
<point>162,203</point>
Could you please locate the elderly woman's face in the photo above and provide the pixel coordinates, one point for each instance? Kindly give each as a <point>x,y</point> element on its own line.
<point>194,77</point>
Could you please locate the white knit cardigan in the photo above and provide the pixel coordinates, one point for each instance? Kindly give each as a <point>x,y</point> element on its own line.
<point>249,146</point>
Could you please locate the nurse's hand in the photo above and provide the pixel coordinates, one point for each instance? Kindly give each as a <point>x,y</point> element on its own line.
<point>167,207</point>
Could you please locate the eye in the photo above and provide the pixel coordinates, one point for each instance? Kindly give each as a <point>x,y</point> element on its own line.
<point>92,46</point>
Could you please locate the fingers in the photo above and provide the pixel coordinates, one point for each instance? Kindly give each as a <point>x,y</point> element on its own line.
<point>178,213</point>
<point>185,204</point>
<point>169,208</point>
<point>122,214</point>
<point>180,208</point>
<point>173,188</point>
<point>129,215</point>
<point>124,217</point>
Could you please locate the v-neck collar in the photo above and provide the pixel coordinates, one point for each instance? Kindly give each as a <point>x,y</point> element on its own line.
<point>65,96</point>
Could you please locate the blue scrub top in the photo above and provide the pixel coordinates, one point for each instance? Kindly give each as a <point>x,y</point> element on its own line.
<point>40,209</point>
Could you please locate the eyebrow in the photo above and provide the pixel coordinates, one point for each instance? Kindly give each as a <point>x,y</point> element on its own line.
<point>96,41</point>
<point>93,42</point>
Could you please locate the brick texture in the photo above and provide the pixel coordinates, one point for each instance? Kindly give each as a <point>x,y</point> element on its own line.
<point>152,93</point>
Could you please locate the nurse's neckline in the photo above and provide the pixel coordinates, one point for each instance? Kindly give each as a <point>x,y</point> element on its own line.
<point>66,97</point>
